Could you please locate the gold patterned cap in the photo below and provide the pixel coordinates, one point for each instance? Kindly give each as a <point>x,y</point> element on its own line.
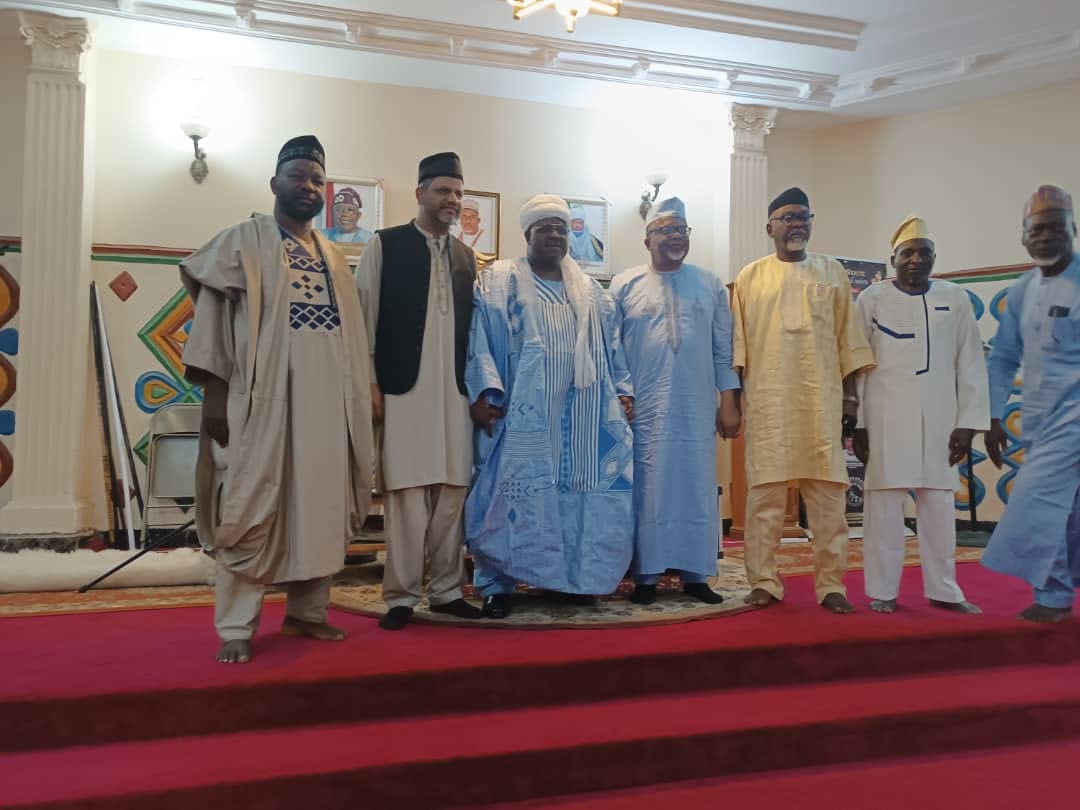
<point>911,228</point>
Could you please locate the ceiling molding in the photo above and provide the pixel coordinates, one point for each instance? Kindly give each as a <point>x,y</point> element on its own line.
<point>745,20</point>
<point>448,42</point>
<point>1042,48</point>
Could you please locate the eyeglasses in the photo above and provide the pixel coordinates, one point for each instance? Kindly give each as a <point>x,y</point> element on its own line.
<point>792,219</point>
<point>557,230</point>
<point>668,230</point>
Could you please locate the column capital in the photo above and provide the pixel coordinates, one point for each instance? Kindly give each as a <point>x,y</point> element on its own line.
<point>750,125</point>
<point>56,43</point>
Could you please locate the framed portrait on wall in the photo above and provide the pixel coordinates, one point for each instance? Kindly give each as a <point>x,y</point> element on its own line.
<point>590,234</point>
<point>352,213</point>
<point>478,226</point>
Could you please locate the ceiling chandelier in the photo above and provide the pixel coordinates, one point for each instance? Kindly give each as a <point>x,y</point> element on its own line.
<point>572,10</point>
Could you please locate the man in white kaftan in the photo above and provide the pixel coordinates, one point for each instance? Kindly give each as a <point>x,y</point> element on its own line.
<point>919,410</point>
<point>552,503</point>
<point>675,326</point>
<point>285,455</point>
<point>416,284</point>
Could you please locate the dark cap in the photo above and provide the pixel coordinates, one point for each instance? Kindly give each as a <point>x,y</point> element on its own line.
<point>793,196</point>
<point>443,164</point>
<point>302,147</point>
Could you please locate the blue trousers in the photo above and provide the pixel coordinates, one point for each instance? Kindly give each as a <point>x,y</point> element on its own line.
<point>1059,590</point>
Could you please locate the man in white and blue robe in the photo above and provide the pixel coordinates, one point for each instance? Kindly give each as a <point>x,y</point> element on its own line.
<point>552,500</point>
<point>1038,536</point>
<point>675,326</point>
<point>919,409</point>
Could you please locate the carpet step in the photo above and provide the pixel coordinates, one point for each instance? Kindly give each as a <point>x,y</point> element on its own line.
<point>342,684</point>
<point>1011,778</point>
<point>469,758</point>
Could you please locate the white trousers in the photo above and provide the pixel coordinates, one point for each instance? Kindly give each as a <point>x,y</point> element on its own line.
<point>238,603</point>
<point>424,523</point>
<point>883,543</point>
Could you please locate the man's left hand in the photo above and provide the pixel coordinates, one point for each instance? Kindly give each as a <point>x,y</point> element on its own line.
<point>728,421</point>
<point>960,445</point>
<point>628,407</point>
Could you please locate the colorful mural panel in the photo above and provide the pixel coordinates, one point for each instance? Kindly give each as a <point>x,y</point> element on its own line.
<point>988,488</point>
<point>9,348</point>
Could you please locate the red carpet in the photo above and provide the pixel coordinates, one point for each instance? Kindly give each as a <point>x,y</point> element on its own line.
<point>134,712</point>
<point>1022,778</point>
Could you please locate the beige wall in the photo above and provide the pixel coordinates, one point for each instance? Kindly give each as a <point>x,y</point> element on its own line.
<point>966,169</point>
<point>14,63</point>
<point>144,195</point>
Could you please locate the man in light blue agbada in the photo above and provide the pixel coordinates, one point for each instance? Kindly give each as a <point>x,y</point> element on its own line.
<point>675,325</point>
<point>1038,536</point>
<point>585,246</point>
<point>552,501</point>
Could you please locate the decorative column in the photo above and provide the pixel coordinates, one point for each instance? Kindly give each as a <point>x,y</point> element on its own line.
<point>54,309</point>
<point>749,184</point>
<point>748,241</point>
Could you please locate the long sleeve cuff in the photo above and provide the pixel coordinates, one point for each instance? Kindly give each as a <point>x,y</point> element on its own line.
<point>727,380</point>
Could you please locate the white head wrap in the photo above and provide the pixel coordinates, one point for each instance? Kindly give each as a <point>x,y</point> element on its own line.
<point>544,206</point>
<point>470,204</point>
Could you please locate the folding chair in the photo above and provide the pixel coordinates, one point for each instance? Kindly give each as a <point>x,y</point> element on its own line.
<point>172,450</point>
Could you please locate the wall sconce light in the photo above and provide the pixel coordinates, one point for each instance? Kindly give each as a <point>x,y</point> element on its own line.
<point>194,98</point>
<point>655,179</point>
<point>197,131</point>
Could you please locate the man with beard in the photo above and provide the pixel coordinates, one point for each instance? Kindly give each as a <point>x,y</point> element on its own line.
<point>552,505</point>
<point>676,332</point>
<point>416,285</point>
<point>798,346</point>
<point>919,410</point>
<point>1038,537</point>
<point>280,347</point>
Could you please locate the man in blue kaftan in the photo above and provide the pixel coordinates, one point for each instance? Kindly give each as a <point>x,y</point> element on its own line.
<point>552,501</point>
<point>1038,536</point>
<point>585,246</point>
<point>675,326</point>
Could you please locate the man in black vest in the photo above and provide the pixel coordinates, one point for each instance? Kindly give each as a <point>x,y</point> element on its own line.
<point>416,284</point>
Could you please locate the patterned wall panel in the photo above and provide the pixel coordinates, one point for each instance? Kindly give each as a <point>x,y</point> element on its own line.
<point>989,487</point>
<point>10,259</point>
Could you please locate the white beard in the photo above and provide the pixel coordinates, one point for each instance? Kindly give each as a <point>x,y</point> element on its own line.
<point>795,245</point>
<point>1048,262</point>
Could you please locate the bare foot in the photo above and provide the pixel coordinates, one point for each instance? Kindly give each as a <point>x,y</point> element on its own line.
<point>957,607</point>
<point>1045,615</point>
<point>837,603</point>
<point>321,631</point>
<point>759,597</point>
<point>237,651</point>
<point>883,606</point>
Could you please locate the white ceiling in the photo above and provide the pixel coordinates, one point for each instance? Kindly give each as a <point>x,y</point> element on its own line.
<point>829,58</point>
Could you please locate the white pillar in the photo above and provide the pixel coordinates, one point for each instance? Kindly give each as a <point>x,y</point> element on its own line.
<point>749,185</point>
<point>54,301</point>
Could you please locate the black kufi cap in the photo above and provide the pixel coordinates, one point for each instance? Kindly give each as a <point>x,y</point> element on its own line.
<point>443,164</point>
<point>302,147</point>
<point>793,196</point>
